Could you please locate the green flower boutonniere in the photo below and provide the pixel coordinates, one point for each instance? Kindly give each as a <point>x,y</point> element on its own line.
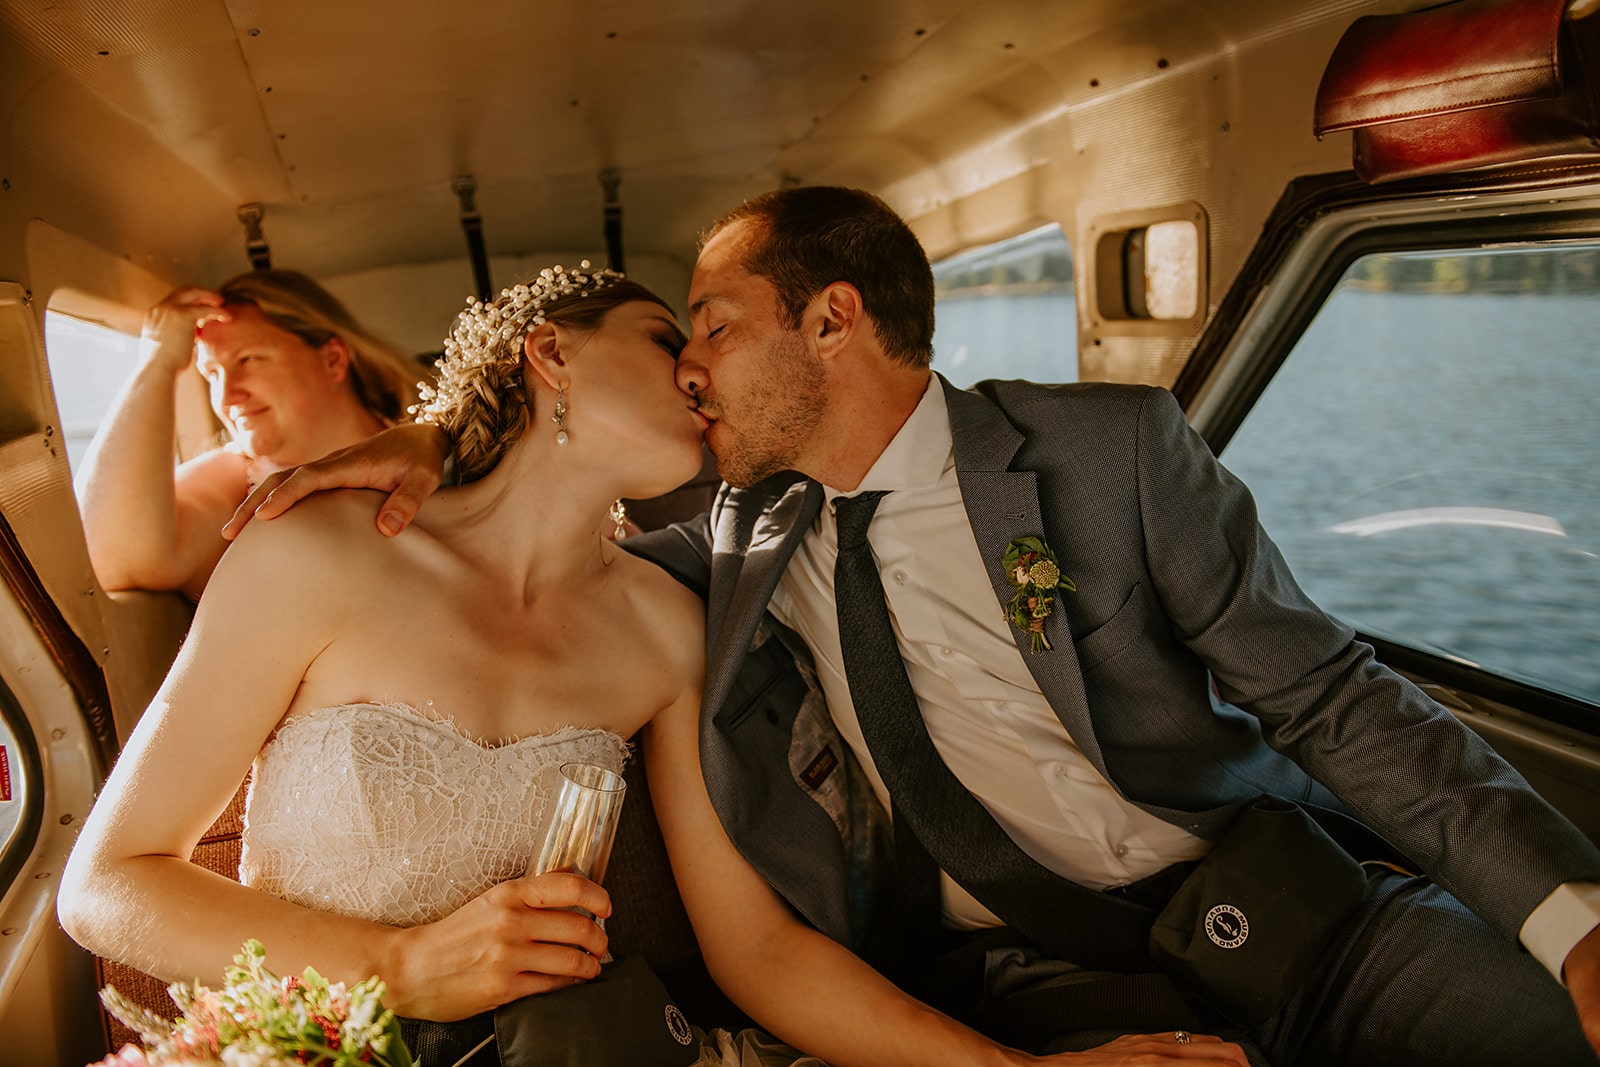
<point>1032,568</point>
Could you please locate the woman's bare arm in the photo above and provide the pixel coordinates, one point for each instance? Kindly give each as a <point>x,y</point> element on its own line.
<point>804,987</point>
<point>130,893</point>
<point>148,526</point>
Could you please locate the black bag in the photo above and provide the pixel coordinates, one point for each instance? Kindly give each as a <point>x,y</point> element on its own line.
<point>624,1018</point>
<point>1246,927</point>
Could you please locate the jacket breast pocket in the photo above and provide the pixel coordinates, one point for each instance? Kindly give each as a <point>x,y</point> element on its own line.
<point>1113,637</point>
<point>768,688</point>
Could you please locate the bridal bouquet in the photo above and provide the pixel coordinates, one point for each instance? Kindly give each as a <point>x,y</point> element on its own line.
<point>260,1020</point>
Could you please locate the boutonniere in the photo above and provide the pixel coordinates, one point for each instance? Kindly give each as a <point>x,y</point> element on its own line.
<point>1032,568</point>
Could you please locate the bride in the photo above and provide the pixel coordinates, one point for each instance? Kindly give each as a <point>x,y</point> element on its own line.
<point>406,701</point>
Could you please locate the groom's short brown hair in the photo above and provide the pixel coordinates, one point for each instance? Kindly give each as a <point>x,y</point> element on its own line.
<point>807,238</point>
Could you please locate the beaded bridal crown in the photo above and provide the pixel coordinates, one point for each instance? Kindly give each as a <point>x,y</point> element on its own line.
<point>491,333</point>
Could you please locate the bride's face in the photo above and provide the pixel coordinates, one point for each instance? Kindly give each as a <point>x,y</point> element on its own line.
<point>624,398</point>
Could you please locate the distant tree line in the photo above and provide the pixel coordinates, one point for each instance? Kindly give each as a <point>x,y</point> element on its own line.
<point>1041,262</point>
<point>1536,270</point>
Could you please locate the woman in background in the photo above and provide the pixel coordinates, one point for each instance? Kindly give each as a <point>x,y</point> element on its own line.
<point>293,376</point>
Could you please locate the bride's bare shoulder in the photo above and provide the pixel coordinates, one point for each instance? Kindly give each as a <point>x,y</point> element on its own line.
<point>664,607</point>
<point>322,538</point>
<point>334,513</point>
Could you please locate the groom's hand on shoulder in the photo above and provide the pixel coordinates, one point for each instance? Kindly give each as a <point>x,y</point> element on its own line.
<point>405,461</point>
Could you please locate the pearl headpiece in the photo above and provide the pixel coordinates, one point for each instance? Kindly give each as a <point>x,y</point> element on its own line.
<point>490,333</point>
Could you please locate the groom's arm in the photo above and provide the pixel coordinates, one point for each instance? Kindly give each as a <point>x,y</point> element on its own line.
<point>407,462</point>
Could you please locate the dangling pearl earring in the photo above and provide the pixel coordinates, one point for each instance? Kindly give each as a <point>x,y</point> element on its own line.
<point>619,515</point>
<point>560,417</point>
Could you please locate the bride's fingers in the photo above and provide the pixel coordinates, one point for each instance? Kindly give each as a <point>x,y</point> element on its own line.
<point>562,889</point>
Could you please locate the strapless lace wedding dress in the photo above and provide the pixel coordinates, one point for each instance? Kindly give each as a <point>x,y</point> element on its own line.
<point>379,811</point>
<point>385,813</point>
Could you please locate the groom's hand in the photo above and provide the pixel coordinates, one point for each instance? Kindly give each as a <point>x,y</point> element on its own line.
<point>406,461</point>
<point>1582,972</point>
<point>1194,1050</point>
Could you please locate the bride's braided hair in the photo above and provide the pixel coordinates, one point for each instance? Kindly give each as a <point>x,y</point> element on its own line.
<point>480,399</point>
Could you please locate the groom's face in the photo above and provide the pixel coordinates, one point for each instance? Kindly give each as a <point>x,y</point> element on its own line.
<point>758,382</point>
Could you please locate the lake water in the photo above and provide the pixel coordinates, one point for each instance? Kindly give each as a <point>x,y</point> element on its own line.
<point>1430,465</point>
<point>1428,462</point>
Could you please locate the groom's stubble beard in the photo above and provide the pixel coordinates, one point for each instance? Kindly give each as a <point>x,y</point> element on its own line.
<point>760,433</point>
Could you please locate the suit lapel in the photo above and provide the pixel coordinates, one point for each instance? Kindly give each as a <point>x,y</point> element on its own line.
<point>752,542</point>
<point>1002,505</point>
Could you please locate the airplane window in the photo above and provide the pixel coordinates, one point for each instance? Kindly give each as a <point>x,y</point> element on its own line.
<point>88,365</point>
<point>1171,283</point>
<point>1008,310</point>
<point>1427,461</point>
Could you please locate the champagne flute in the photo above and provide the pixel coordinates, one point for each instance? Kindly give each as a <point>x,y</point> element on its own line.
<point>583,822</point>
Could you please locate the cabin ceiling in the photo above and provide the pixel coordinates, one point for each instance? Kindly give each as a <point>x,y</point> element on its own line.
<point>348,121</point>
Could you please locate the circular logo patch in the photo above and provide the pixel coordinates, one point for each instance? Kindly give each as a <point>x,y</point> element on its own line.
<point>1226,926</point>
<point>678,1026</point>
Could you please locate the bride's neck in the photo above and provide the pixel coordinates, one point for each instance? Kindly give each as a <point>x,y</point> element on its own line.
<point>539,516</point>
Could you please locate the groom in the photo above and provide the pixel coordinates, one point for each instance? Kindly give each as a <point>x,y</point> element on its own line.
<point>1167,673</point>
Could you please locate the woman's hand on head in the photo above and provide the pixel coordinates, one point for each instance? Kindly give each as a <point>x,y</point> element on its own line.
<point>405,461</point>
<point>515,940</point>
<point>171,327</point>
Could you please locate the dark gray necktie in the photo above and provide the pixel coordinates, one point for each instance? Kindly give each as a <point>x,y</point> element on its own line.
<point>934,814</point>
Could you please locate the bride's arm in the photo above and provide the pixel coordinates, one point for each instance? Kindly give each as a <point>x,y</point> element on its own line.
<point>804,987</point>
<point>130,893</point>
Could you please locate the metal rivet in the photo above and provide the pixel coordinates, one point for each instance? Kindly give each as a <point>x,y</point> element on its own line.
<point>8,931</point>
<point>66,820</point>
<point>41,876</point>
<point>255,33</point>
<point>57,735</point>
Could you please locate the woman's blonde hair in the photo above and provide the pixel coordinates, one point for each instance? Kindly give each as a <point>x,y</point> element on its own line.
<point>480,399</point>
<point>384,381</point>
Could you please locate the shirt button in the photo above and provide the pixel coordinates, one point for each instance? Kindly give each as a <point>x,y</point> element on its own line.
<point>900,577</point>
<point>946,652</point>
<point>1122,852</point>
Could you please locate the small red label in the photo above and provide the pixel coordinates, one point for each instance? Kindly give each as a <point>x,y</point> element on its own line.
<point>5,775</point>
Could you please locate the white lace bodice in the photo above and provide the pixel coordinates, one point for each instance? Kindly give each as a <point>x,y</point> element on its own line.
<point>378,811</point>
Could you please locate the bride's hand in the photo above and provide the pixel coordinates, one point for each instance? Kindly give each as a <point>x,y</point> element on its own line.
<point>406,461</point>
<point>513,941</point>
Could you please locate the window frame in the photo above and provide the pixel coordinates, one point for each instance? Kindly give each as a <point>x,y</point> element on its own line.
<point>1320,227</point>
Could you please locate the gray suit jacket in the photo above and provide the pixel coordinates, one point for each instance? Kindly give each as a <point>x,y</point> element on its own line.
<point>1188,665</point>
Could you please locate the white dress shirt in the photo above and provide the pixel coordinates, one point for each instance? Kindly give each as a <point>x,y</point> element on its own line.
<point>984,712</point>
